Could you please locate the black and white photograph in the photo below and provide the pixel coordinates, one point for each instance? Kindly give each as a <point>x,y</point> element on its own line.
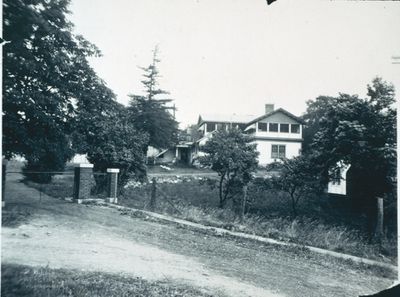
<point>199,148</point>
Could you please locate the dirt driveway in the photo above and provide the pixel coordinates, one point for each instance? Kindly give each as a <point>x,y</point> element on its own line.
<point>65,235</point>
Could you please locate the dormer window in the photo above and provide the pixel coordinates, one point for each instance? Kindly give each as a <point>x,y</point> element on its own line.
<point>273,127</point>
<point>295,128</point>
<point>263,126</point>
<point>284,128</point>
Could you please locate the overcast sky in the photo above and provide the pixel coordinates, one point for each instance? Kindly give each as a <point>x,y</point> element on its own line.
<point>233,56</point>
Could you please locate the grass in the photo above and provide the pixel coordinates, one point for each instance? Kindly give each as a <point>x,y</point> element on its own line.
<point>60,187</point>
<point>14,216</point>
<point>19,280</point>
<point>321,222</point>
<point>176,169</point>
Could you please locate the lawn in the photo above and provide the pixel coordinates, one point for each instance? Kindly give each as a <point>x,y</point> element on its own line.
<point>322,221</point>
<point>176,169</point>
<point>19,280</point>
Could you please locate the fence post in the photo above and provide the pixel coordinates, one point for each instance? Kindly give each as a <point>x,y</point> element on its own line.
<point>243,204</point>
<point>3,182</point>
<point>112,185</point>
<point>82,182</point>
<point>379,220</point>
<point>153,196</point>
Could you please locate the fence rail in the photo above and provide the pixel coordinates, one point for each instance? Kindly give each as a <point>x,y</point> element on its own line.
<point>78,183</point>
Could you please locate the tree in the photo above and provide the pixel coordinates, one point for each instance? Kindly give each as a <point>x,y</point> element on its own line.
<point>45,73</point>
<point>105,134</point>
<point>299,178</point>
<point>231,154</point>
<point>117,144</point>
<point>348,130</point>
<point>150,114</point>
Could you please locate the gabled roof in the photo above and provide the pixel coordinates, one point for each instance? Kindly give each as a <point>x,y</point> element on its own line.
<point>225,118</point>
<point>285,112</point>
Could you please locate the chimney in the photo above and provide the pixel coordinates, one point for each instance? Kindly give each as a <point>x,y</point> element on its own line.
<point>269,108</point>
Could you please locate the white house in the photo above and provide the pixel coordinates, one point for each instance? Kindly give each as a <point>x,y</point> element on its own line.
<point>277,133</point>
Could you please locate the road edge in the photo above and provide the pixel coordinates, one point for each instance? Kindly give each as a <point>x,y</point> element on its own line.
<point>241,235</point>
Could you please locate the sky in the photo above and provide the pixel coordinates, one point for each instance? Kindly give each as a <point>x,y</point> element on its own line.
<point>235,56</point>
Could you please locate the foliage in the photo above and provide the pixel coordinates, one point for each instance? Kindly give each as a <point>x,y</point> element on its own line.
<point>150,114</point>
<point>348,130</point>
<point>116,144</point>
<point>234,158</point>
<point>299,178</point>
<point>49,160</point>
<point>45,73</point>
<point>103,132</point>
<point>269,216</point>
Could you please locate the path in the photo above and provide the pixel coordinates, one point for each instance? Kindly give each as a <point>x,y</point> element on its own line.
<point>93,238</point>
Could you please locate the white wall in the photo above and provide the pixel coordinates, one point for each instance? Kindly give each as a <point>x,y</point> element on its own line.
<point>264,147</point>
<point>79,158</point>
<point>341,187</point>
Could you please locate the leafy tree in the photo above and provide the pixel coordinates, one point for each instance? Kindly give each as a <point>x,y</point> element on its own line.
<point>150,114</point>
<point>116,144</point>
<point>231,154</point>
<point>299,178</point>
<point>348,130</point>
<point>105,134</point>
<point>45,72</point>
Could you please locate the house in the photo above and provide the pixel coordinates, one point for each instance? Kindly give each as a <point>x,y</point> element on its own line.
<point>277,133</point>
<point>209,123</point>
<point>182,152</point>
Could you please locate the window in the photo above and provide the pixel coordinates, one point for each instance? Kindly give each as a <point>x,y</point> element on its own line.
<point>273,127</point>
<point>284,128</point>
<point>221,126</point>
<point>295,128</point>
<point>278,151</point>
<point>263,127</point>
<point>210,127</point>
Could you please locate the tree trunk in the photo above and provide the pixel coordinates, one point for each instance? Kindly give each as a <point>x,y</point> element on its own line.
<point>379,222</point>
<point>243,204</point>
<point>294,206</point>
<point>221,198</point>
<point>153,197</point>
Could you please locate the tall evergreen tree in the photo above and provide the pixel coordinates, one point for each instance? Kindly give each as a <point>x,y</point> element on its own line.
<point>149,112</point>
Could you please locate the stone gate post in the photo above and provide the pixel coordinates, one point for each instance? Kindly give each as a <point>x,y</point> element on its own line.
<point>112,185</point>
<point>82,182</point>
